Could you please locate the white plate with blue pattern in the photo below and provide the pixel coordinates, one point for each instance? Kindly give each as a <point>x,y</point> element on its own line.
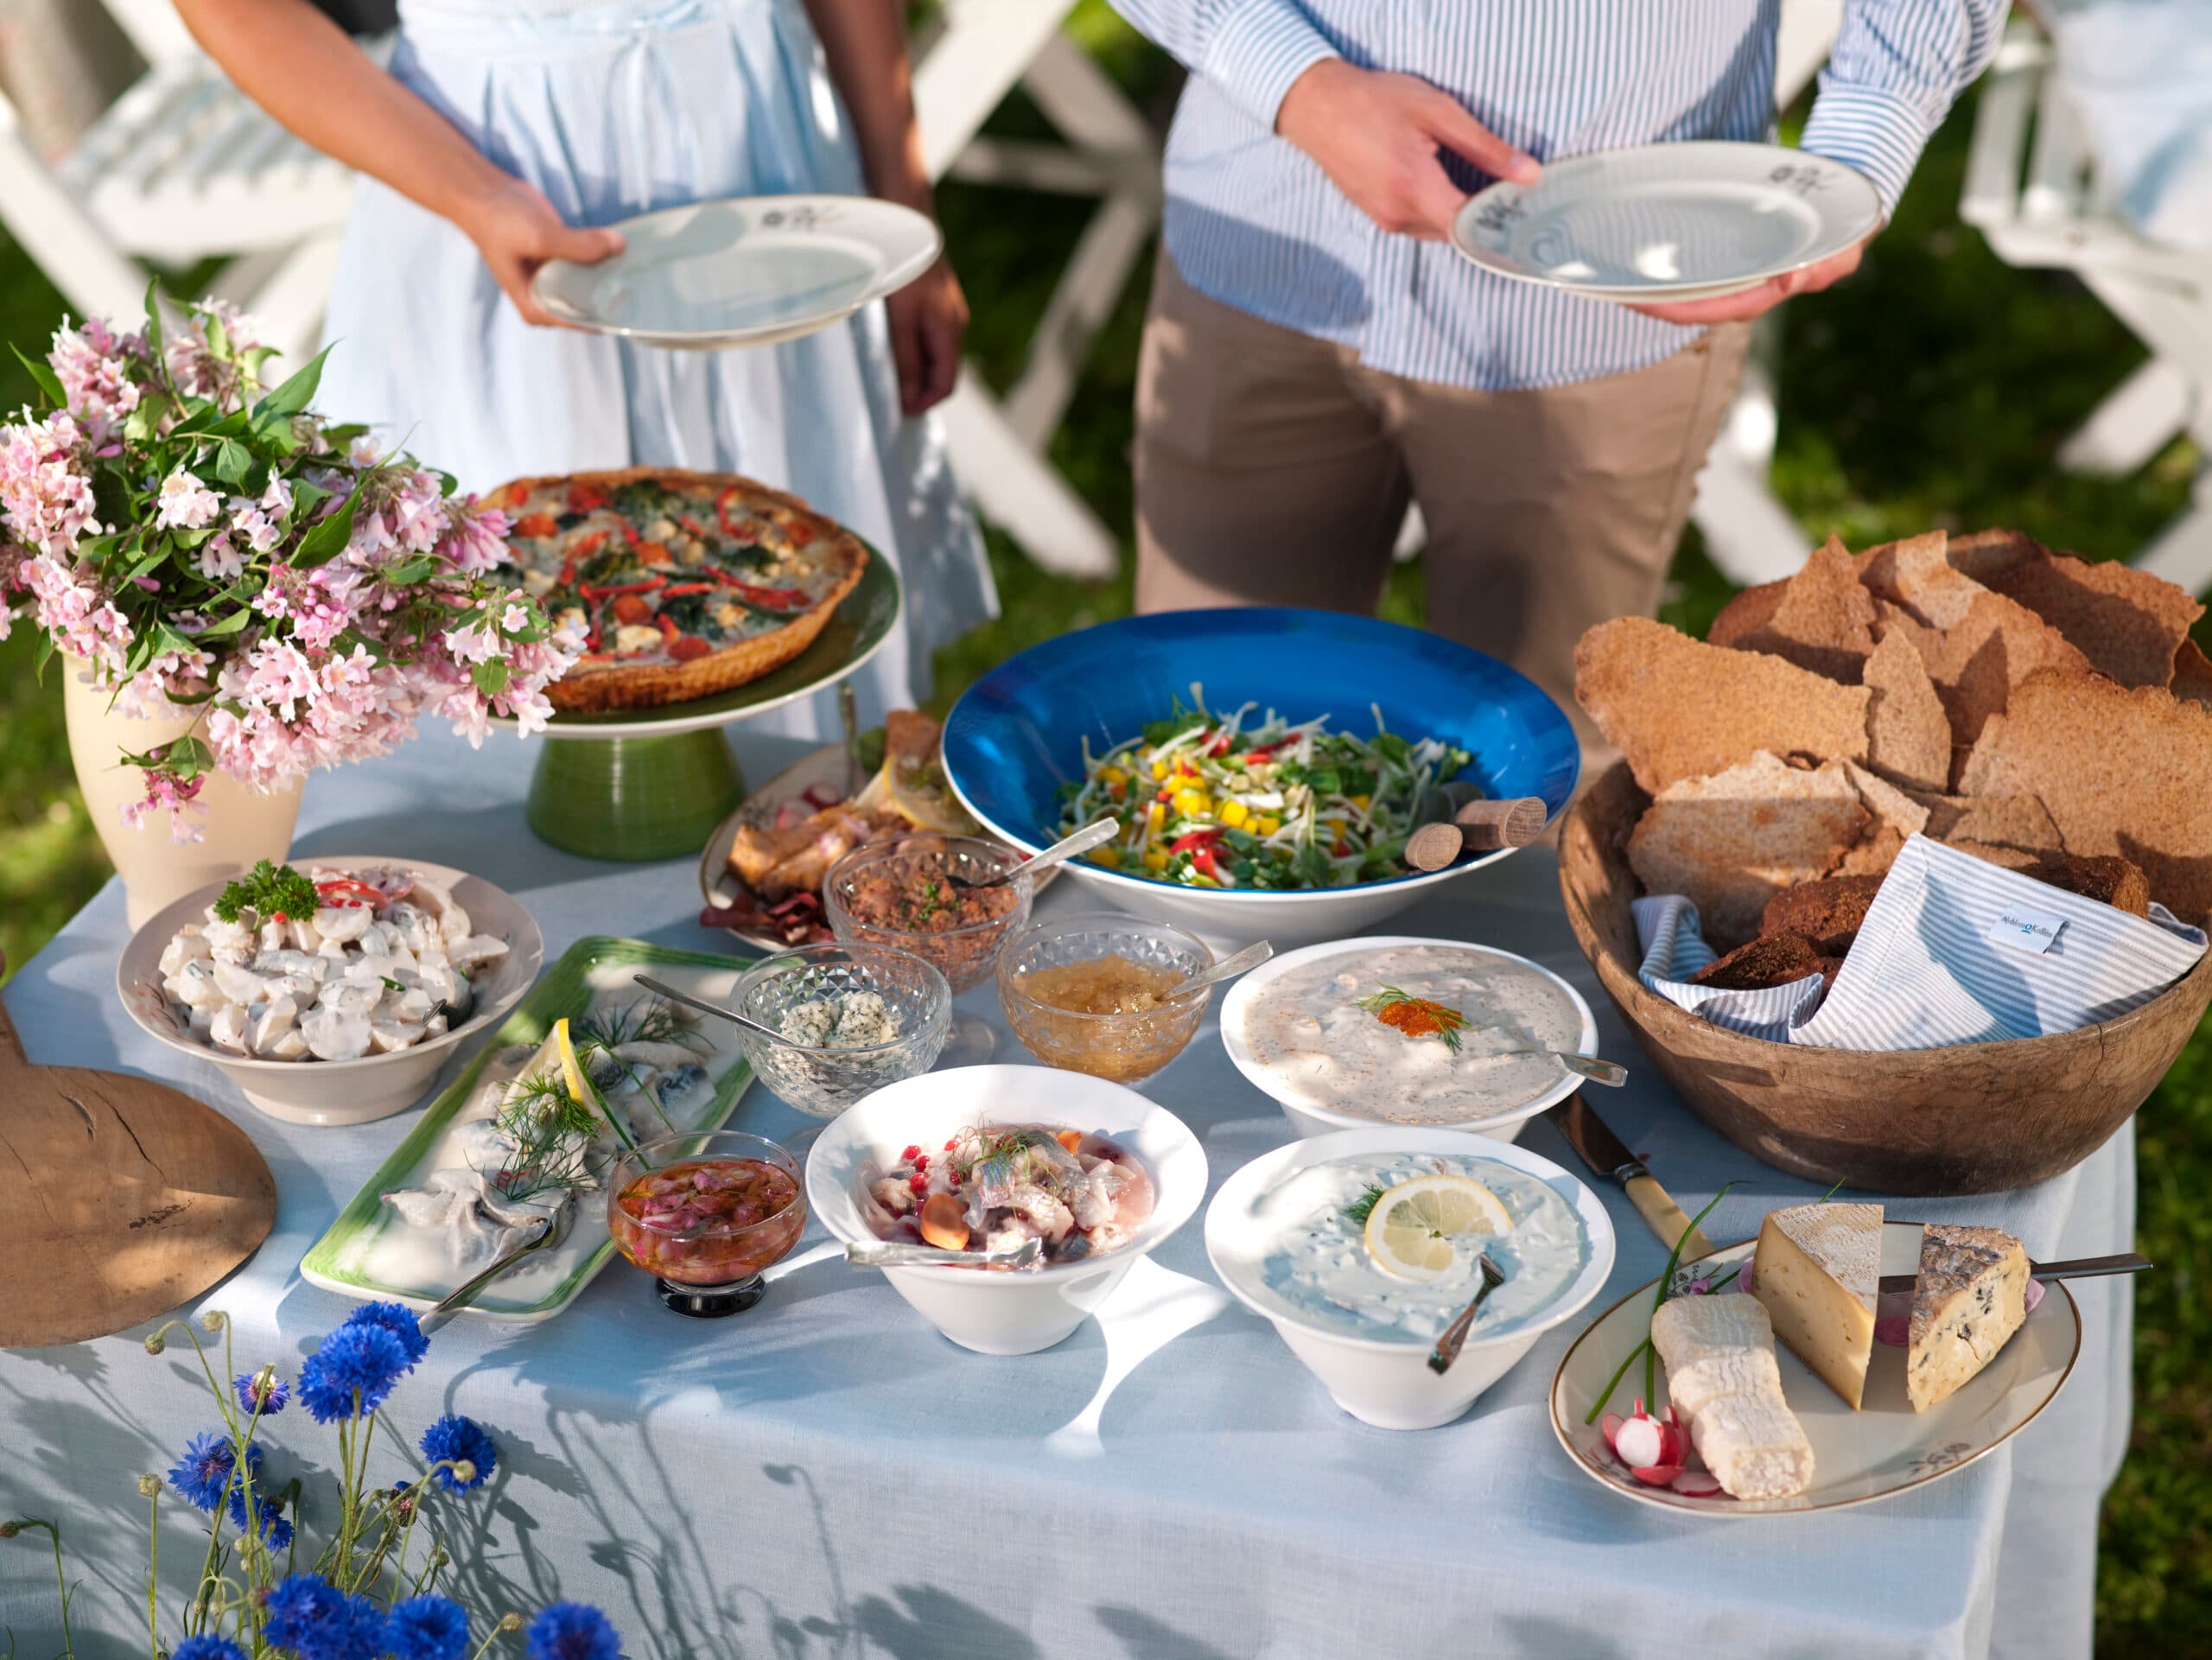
<point>1668,222</point>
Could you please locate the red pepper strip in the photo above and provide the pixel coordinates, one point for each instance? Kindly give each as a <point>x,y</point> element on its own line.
<point>1202,861</point>
<point>695,527</point>
<point>1254,756</point>
<point>668,631</point>
<point>770,599</point>
<point>678,590</point>
<point>591,639</point>
<point>721,516</point>
<point>1220,744</point>
<point>585,548</point>
<point>594,594</point>
<point>1194,841</point>
<point>345,891</point>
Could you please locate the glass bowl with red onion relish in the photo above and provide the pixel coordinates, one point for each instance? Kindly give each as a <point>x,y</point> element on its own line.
<point>706,1214</point>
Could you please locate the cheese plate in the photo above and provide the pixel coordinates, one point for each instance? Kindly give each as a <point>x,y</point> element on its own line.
<point>371,1251</point>
<point>1884,1449</point>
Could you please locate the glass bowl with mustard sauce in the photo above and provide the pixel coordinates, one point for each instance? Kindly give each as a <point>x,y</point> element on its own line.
<point>1099,993</point>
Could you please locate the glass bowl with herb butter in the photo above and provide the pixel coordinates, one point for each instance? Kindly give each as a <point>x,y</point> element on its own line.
<point>857,1017</point>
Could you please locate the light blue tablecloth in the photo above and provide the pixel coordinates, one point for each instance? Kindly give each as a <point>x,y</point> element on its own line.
<point>825,1476</point>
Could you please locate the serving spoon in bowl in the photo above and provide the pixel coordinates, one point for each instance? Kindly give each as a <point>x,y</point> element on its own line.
<point>1228,968</point>
<point>716,1009</point>
<point>1096,833</point>
<point>894,1253</point>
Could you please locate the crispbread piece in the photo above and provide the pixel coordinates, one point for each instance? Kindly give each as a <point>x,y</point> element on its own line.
<point>2012,821</point>
<point>1770,960</point>
<point>1824,621</point>
<point>2122,771</point>
<point>1977,660</point>
<point>2192,679</point>
<point>1746,613</point>
<point>1908,735</point>
<point>1894,816</point>
<point>2107,878</point>
<point>1915,575</point>
<point>1988,556</point>
<point>1828,912</point>
<point>1733,840</point>
<point>1679,709</point>
<point>2126,623</point>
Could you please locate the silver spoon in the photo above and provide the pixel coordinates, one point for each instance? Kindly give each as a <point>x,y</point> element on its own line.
<point>1094,834</point>
<point>543,1236</point>
<point>716,1009</point>
<point>1589,1067</point>
<point>897,1254</point>
<point>1228,969</point>
<point>1447,1346</point>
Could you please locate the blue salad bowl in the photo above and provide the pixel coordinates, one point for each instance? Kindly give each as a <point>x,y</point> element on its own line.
<point>1015,738</point>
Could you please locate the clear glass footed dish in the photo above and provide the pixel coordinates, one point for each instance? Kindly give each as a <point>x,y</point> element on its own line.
<point>867,1015</point>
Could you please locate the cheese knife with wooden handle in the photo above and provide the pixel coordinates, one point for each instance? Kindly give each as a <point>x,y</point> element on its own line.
<point>1606,1155</point>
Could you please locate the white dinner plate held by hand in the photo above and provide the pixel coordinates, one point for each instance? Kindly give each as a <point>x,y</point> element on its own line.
<point>747,270</point>
<point>1668,222</point>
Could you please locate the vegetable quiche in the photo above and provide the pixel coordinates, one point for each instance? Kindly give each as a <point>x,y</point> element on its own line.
<point>682,584</point>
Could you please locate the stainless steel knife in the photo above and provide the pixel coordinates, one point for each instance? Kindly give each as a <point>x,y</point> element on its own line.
<point>1608,1156</point>
<point>2078,1268</point>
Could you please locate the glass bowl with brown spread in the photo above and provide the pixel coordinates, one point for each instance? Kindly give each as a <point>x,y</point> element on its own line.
<point>910,893</point>
<point>1097,993</point>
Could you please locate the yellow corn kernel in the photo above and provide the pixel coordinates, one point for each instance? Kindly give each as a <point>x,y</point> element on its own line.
<point>1234,813</point>
<point>1193,803</point>
<point>1160,769</point>
<point>1358,801</point>
<point>1114,775</point>
<point>1266,823</point>
<point>1156,860</point>
<point>1111,857</point>
<point>1155,816</point>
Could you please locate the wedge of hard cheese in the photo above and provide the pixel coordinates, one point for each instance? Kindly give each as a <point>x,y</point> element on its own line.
<point>1971,1297</point>
<point>1721,1375</point>
<point>1819,1273</point>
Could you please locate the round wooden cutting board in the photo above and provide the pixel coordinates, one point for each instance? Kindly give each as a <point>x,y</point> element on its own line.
<point>122,1200</point>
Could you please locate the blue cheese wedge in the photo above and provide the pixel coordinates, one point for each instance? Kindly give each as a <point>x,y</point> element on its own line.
<point>1726,1386</point>
<point>1971,1297</point>
<point>1819,1274</point>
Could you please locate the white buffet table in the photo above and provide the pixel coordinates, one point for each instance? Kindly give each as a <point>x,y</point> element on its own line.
<point>825,1476</point>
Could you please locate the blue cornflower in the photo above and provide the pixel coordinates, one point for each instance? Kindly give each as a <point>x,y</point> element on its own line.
<point>276,1531</point>
<point>318,1621</point>
<point>425,1628</point>
<point>253,1393</point>
<point>353,1360</point>
<point>397,1318</point>
<point>205,1470</point>
<point>573,1631</point>
<point>207,1646</point>
<point>461,1440</point>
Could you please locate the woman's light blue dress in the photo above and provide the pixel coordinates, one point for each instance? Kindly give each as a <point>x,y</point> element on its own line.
<point>612,108</point>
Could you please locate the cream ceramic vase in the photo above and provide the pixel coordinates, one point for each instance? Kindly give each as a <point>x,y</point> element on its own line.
<point>239,825</point>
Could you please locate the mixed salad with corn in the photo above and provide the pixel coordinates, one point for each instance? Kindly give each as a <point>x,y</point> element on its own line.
<point>1249,800</point>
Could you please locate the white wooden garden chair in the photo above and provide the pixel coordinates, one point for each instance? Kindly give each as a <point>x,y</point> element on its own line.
<point>179,169</point>
<point>2032,189</point>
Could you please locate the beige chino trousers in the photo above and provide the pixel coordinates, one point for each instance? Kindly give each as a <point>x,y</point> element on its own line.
<point>1273,468</point>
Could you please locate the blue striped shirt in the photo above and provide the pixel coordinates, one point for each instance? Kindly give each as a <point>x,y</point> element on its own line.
<point>1254,222</point>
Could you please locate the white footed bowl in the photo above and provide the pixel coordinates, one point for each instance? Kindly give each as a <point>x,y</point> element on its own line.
<point>1005,1312</point>
<point>1309,1118</point>
<point>340,1091</point>
<point>1385,1381</point>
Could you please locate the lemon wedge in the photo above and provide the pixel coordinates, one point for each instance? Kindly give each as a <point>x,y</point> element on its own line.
<point>1417,1230</point>
<point>581,1087</point>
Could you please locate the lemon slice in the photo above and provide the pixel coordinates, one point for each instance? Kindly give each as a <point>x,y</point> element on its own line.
<point>1416,1229</point>
<point>581,1087</point>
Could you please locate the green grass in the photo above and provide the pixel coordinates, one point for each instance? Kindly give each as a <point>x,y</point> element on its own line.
<point>1933,389</point>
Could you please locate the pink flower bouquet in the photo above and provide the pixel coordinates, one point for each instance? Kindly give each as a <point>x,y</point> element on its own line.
<point>207,544</point>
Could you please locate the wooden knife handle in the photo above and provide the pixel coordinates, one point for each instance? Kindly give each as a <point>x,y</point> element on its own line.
<point>1658,1208</point>
<point>12,1046</point>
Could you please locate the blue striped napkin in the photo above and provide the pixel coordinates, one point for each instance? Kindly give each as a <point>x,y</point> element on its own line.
<point>1954,950</point>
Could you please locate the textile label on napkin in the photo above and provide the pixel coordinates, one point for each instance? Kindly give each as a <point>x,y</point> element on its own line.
<point>2023,930</point>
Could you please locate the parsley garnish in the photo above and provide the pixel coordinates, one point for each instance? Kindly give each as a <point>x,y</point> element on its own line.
<point>268,891</point>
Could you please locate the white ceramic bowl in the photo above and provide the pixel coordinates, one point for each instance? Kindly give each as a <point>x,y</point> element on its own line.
<point>340,1091</point>
<point>1383,1381</point>
<point>1309,1119</point>
<point>1005,1312</point>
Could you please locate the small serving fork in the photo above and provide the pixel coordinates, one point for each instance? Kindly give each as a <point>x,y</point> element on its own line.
<point>543,1236</point>
<point>1447,1346</point>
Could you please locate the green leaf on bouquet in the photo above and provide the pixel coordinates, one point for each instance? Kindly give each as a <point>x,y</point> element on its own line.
<point>227,626</point>
<point>154,318</point>
<point>153,556</point>
<point>218,337</point>
<point>327,537</point>
<point>254,361</point>
<point>408,572</point>
<point>295,395</point>
<point>48,382</point>
<point>233,460</point>
<point>491,678</point>
<point>306,498</point>
<point>189,756</point>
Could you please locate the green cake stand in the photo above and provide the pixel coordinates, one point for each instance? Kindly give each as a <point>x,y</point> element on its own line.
<point>654,783</point>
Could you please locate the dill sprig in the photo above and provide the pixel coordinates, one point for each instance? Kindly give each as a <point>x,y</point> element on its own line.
<point>554,1133</point>
<point>1360,1209</point>
<point>1422,1019</point>
<point>644,1020</point>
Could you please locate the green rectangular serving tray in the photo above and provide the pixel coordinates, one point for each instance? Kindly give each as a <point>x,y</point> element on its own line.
<point>561,991</point>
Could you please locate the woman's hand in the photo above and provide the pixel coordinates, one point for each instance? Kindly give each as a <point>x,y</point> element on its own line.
<point>929,317</point>
<point>516,230</point>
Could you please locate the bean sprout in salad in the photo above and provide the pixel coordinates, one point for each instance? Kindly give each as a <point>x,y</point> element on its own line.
<point>1247,800</point>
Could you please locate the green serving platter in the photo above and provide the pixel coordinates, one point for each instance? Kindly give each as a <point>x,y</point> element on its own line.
<point>345,1259</point>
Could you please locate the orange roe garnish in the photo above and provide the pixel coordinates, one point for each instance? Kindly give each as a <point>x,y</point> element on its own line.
<point>1418,1018</point>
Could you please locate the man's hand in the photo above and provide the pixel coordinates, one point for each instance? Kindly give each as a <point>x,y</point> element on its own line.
<point>516,230</point>
<point>1756,302</point>
<point>1376,135</point>
<point>928,318</point>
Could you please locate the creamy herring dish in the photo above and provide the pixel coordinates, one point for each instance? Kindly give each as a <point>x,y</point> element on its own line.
<point>996,1187</point>
<point>1412,1035</point>
<point>325,964</point>
<point>1305,1248</point>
